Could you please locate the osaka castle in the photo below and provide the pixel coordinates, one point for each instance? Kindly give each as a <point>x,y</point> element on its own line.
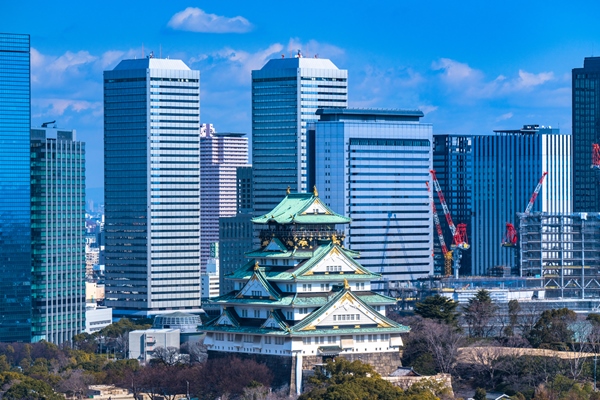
<point>303,298</point>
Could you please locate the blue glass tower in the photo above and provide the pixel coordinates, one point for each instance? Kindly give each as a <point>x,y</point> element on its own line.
<point>286,93</point>
<point>15,235</point>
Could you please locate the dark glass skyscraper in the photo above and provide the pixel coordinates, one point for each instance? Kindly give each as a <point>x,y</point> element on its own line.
<point>586,131</point>
<point>15,234</point>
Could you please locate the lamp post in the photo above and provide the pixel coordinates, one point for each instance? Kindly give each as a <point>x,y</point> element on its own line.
<point>187,390</point>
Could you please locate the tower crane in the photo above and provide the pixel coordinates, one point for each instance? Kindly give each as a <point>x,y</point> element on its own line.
<point>446,253</point>
<point>596,156</point>
<point>459,234</point>
<point>510,237</point>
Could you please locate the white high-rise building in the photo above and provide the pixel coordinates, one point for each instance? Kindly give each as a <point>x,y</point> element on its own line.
<point>221,155</point>
<point>152,187</point>
<point>286,93</point>
<point>372,165</point>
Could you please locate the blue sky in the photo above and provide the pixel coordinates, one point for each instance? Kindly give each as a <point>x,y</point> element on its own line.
<point>470,66</point>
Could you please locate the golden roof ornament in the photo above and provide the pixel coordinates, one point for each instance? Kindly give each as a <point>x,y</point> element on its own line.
<point>346,284</point>
<point>256,265</point>
<point>315,191</point>
<point>289,190</point>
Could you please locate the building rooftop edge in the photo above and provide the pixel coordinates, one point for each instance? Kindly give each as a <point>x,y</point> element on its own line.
<point>370,111</point>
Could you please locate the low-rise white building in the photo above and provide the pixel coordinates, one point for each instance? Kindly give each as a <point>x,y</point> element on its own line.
<point>96,317</point>
<point>143,343</point>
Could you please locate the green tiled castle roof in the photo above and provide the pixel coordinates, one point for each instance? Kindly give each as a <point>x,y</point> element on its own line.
<point>298,208</point>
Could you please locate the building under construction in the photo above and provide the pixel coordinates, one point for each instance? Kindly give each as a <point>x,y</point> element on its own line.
<point>563,250</point>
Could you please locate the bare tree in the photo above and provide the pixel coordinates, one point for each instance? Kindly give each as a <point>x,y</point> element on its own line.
<point>169,356</point>
<point>579,348</point>
<point>443,343</point>
<point>75,383</point>
<point>483,358</point>
<point>197,351</point>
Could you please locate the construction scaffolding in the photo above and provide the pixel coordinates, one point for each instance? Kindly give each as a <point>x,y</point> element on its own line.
<point>563,250</point>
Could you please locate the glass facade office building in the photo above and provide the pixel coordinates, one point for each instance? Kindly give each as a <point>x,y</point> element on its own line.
<point>488,179</point>
<point>15,224</point>
<point>372,165</point>
<point>152,187</point>
<point>57,235</point>
<point>586,131</point>
<point>286,93</point>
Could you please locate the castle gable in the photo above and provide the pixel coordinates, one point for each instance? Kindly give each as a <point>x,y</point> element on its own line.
<point>345,311</point>
<point>227,318</point>
<point>316,208</point>
<point>331,259</point>
<point>258,287</point>
<point>275,321</point>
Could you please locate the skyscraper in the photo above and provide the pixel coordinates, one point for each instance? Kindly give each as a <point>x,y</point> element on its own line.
<point>57,235</point>
<point>221,154</point>
<point>453,163</point>
<point>372,166</point>
<point>152,186</point>
<point>286,93</point>
<point>235,233</point>
<point>488,179</point>
<point>15,224</point>
<point>586,131</point>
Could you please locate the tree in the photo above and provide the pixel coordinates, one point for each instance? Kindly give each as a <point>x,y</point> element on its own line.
<point>30,389</point>
<point>514,308</point>
<point>442,343</point>
<point>438,308</point>
<point>478,313</point>
<point>345,380</point>
<point>228,375</point>
<point>552,329</point>
<point>480,394</point>
<point>75,383</point>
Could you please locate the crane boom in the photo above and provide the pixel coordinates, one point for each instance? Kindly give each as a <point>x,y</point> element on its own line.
<point>447,254</point>
<point>458,235</point>
<point>510,237</point>
<point>535,193</point>
<point>438,226</point>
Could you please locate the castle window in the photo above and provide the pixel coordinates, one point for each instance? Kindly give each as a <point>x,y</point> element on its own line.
<point>279,340</point>
<point>244,313</point>
<point>248,338</point>
<point>219,336</point>
<point>230,337</point>
<point>267,340</point>
<point>256,293</point>
<point>256,313</point>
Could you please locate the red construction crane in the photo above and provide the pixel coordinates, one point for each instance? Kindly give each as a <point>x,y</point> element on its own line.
<point>459,235</point>
<point>510,237</point>
<point>595,156</point>
<point>447,254</point>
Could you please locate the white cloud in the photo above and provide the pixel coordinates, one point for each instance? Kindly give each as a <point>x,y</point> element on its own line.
<point>470,83</point>
<point>427,109</point>
<point>504,117</point>
<point>196,20</point>
<point>312,48</point>
<point>528,80</point>
<point>53,107</point>
<point>230,65</point>
<point>455,72</point>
